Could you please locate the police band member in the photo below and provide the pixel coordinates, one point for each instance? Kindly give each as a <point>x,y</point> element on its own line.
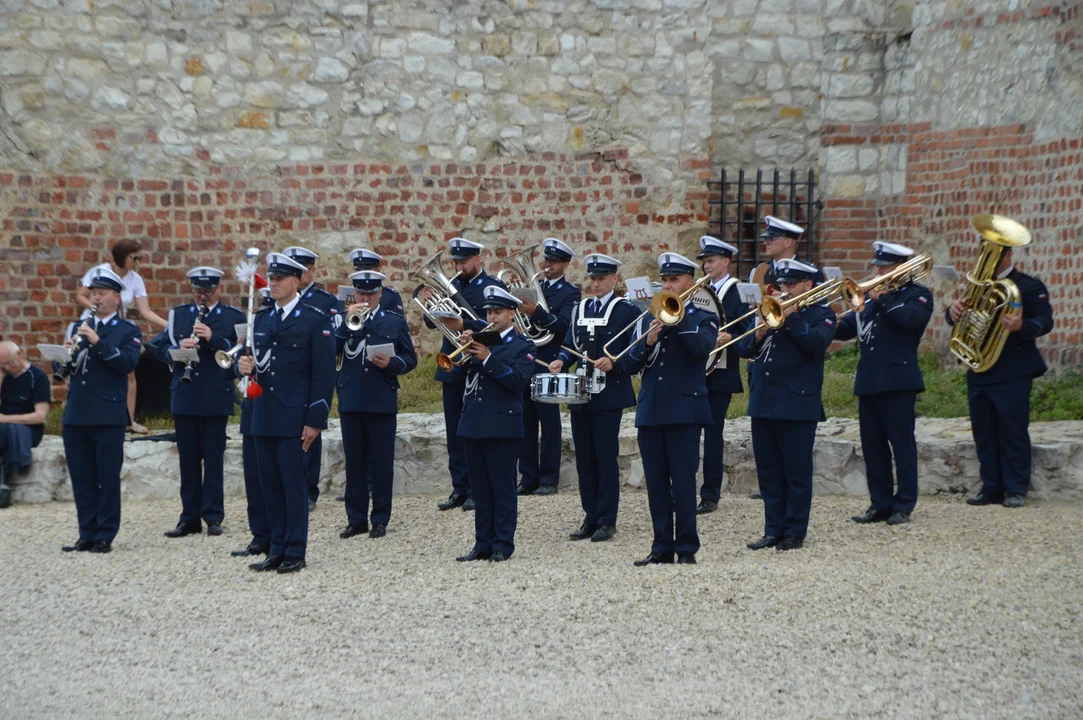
<point>202,406</point>
<point>1000,397</point>
<point>540,471</point>
<point>368,385</point>
<point>253,494</point>
<point>888,381</point>
<point>596,424</point>
<point>294,364</point>
<point>105,350</point>
<point>471,283</point>
<point>725,379</point>
<point>780,239</point>
<point>314,295</point>
<point>364,259</point>
<point>784,402</point>
<point>491,425</point>
<point>672,411</point>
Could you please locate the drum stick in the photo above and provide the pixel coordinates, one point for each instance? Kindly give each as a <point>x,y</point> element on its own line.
<point>580,355</point>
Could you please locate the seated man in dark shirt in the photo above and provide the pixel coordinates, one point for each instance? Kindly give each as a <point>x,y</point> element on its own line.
<point>24,403</point>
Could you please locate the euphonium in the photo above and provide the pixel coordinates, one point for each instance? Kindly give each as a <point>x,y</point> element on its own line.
<point>978,336</point>
<point>526,276</point>
<point>446,299</point>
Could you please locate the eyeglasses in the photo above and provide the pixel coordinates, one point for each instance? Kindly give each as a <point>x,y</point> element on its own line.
<point>139,258</point>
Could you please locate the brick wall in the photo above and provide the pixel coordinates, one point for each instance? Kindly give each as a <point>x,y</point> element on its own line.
<point>953,174</point>
<point>54,227</point>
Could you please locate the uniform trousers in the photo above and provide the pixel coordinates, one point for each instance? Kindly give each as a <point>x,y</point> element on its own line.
<point>714,448</point>
<point>368,442</point>
<point>670,455</point>
<point>257,513</point>
<point>456,455</point>
<point>887,429</point>
<point>285,494</point>
<point>539,463</point>
<point>95,455</point>
<point>201,445</point>
<point>311,463</point>
<point>1000,420</point>
<point>783,452</point>
<point>492,480</point>
<point>595,436</point>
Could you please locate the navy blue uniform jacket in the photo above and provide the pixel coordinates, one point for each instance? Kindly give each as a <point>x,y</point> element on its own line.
<point>211,391</point>
<point>728,379</point>
<point>493,400</point>
<point>363,387</point>
<point>618,393</point>
<point>98,393</point>
<point>788,375</point>
<point>892,327</point>
<point>561,297</point>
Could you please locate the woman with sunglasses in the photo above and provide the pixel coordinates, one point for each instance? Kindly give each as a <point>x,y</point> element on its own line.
<point>126,256</point>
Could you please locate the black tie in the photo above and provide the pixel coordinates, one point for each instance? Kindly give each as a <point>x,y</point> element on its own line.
<point>595,307</point>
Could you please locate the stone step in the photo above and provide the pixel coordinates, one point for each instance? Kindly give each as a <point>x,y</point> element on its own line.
<point>947,462</point>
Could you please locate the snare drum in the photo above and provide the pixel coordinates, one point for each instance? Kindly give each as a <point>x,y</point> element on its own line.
<point>559,388</point>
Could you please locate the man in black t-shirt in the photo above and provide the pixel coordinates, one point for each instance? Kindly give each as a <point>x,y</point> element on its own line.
<point>24,403</point>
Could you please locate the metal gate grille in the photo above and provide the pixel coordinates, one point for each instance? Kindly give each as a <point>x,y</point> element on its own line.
<point>739,206</point>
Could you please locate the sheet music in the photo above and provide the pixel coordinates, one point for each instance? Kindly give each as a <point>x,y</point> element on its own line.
<point>387,349</point>
<point>639,288</point>
<point>526,294</point>
<point>346,294</point>
<point>182,356</point>
<point>242,331</point>
<point>54,353</point>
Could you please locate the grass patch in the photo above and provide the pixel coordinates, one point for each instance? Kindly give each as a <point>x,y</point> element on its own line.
<point>1054,397</point>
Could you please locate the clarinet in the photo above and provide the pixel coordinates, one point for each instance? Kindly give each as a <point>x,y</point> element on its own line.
<point>64,371</point>
<point>187,376</point>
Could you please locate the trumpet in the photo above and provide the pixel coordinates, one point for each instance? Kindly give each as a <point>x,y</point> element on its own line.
<point>853,293</point>
<point>447,361</point>
<point>63,371</point>
<point>355,319</point>
<point>668,309</point>
<point>525,276</point>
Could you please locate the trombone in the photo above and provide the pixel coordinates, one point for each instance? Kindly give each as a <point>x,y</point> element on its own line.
<point>668,309</point>
<point>447,361</point>
<point>772,310</point>
<point>853,292</point>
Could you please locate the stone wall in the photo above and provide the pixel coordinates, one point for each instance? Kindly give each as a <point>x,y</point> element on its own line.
<point>947,462</point>
<point>205,126</point>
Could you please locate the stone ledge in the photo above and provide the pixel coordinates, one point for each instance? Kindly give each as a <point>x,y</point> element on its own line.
<point>947,462</point>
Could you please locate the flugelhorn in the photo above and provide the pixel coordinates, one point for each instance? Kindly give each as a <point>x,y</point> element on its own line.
<point>668,309</point>
<point>446,361</point>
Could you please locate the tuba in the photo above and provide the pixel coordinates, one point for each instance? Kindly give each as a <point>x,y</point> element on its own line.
<point>447,300</point>
<point>978,336</point>
<point>520,273</point>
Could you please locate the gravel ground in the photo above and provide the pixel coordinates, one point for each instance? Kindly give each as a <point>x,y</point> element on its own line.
<point>966,613</point>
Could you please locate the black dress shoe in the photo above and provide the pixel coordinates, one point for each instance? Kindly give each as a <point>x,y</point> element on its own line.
<point>764,542</point>
<point>271,563</point>
<point>290,565</point>
<point>498,556</point>
<point>655,559</point>
<point>584,532</point>
<point>340,498</point>
<point>790,543</point>
<point>378,530</point>
<point>311,507</point>
<point>603,533</point>
<point>546,490</point>
<point>253,548</point>
<point>706,506</point>
<point>453,501</point>
<point>686,559</point>
<point>755,495</point>
<point>984,498</point>
<point>214,529</point>
<point>872,515</point>
<point>524,490</point>
<point>79,546</point>
<point>101,547</point>
<point>473,555</point>
<point>352,530</point>
<point>898,518</point>
<point>469,504</point>
<point>183,530</point>
<point>1015,501</point>
<point>5,497</point>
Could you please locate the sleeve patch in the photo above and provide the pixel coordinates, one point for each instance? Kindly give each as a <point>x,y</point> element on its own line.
<point>327,333</point>
<point>1043,296</point>
<point>829,322</point>
<point>923,300</point>
<point>137,341</point>
<point>531,357</point>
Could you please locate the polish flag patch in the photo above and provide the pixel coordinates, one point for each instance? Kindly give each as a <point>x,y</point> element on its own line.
<point>829,322</point>
<point>530,356</point>
<point>137,341</point>
<point>923,300</point>
<point>327,333</point>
